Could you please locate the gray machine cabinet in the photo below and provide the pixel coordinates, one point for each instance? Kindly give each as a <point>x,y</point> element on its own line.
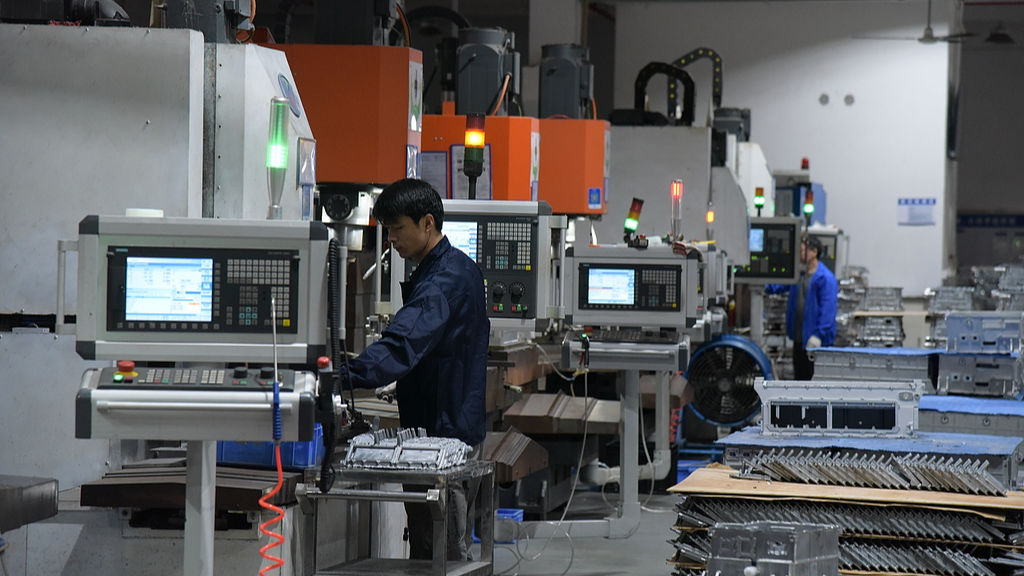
<point>95,120</point>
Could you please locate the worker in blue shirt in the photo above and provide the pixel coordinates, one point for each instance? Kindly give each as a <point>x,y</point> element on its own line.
<point>811,310</point>
<point>435,346</point>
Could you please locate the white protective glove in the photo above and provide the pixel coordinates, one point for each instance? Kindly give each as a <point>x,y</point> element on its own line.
<point>387,393</point>
<point>813,342</point>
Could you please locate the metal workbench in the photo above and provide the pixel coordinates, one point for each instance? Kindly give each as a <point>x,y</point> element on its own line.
<point>361,482</point>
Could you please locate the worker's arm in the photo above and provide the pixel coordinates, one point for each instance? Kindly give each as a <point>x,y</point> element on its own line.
<point>828,302</point>
<point>776,288</point>
<point>415,330</point>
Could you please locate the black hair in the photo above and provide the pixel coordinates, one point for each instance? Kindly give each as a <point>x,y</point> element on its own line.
<point>409,197</point>
<point>814,244</point>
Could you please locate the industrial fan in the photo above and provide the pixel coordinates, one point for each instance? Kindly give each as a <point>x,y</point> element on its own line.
<point>722,374</point>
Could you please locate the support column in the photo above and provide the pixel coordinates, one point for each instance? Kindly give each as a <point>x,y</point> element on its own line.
<point>200,505</point>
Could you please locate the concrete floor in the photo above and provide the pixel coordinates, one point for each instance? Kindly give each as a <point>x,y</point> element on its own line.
<point>642,554</point>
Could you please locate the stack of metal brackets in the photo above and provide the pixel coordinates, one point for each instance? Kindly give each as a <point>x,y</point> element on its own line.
<point>941,301</point>
<point>404,449</point>
<point>874,537</point>
<point>881,331</point>
<point>772,547</point>
<point>968,463</point>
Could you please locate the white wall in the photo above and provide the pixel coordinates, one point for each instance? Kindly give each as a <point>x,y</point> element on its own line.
<point>778,58</point>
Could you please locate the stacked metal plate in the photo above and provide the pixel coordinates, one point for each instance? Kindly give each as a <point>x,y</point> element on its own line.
<point>851,294</point>
<point>967,463</point>
<point>1010,296</point>
<point>404,449</point>
<point>874,537</point>
<point>941,301</point>
<point>991,416</point>
<point>985,280</point>
<point>879,330</point>
<point>875,364</point>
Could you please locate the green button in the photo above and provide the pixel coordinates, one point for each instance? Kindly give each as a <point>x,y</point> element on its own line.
<point>118,377</point>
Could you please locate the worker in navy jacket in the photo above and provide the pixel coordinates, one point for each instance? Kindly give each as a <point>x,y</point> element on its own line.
<point>811,310</point>
<point>436,345</point>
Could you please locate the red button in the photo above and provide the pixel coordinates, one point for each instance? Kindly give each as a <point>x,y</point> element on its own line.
<point>323,362</point>
<point>125,366</point>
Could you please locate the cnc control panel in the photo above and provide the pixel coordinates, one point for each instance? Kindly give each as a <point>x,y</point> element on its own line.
<point>238,378</point>
<point>503,247</point>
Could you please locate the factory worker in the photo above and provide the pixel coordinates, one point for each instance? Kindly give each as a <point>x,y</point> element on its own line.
<point>435,347</point>
<point>811,311</point>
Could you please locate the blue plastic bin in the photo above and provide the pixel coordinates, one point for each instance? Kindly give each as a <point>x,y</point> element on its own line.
<point>686,467</point>
<point>502,527</point>
<point>294,455</point>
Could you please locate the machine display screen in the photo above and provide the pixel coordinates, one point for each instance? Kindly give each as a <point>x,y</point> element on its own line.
<point>165,289</point>
<point>757,239</point>
<point>629,287</point>
<point>169,289</point>
<point>774,254</point>
<point>615,286</point>
<point>464,236</point>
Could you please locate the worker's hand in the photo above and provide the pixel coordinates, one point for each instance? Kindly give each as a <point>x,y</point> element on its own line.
<point>813,342</point>
<point>387,393</point>
<point>679,248</point>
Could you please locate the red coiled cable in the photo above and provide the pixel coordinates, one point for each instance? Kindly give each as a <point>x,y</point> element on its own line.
<point>276,539</point>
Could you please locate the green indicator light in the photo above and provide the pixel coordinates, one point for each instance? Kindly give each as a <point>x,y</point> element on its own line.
<point>631,224</point>
<point>277,145</point>
<point>759,201</point>
<point>244,382</point>
<point>808,208</point>
<point>118,378</point>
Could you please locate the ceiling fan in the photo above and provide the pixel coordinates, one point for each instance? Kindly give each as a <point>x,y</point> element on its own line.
<point>926,37</point>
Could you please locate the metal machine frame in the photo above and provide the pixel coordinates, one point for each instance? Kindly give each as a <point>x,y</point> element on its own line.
<point>824,407</point>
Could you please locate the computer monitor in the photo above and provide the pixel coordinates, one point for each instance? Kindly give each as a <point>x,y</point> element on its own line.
<point>774,252</point>
<point>464,235</point>
<point>191,289</point>
<point>611,286</point>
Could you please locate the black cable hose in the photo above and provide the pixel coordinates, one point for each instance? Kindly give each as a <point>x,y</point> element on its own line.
<point>327,472</point>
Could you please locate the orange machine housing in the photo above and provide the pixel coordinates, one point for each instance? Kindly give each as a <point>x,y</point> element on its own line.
<point>575,158</point>
<point>363,104</point>
<point>514,142</point>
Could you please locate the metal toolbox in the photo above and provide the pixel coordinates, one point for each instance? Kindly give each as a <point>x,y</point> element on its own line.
<point>977,375</point>
<point>776,548</point>
<point>889,364</point>
<point>983,332</point>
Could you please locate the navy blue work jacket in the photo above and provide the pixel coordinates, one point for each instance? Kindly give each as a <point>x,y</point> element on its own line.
<point>436,348</point>
<point>820,304</point>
